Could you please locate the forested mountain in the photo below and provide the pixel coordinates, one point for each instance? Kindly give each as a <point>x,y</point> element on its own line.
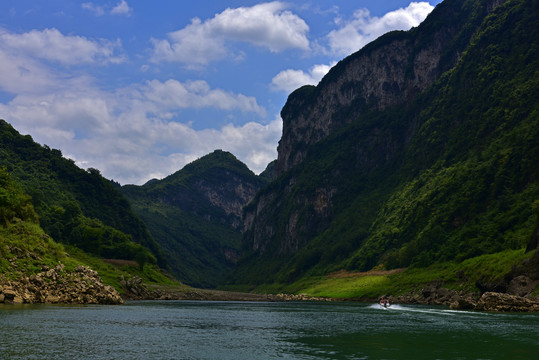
<point>75,206</point>
<point>420,148</point>
<point>195,215</point>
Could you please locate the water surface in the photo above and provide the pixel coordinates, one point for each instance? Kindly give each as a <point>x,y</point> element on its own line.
<point>247,330</point>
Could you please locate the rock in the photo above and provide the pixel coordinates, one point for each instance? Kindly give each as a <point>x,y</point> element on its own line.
<point>52,299</point>
<point>521,286</point>
<point>463,304</point>
<point>485,286</point>
<point>9,294</point>
<point>493,301</point>
<point>57,285</point>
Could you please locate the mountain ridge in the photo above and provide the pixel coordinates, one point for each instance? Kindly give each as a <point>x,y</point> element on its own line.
<point>195,215</point>
<point>401,64</point>
<point>417,182</point>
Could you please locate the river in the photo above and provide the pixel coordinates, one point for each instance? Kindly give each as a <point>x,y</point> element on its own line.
<point>251,330</point>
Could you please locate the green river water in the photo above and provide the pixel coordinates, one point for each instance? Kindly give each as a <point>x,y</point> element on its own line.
<point>250,330</point>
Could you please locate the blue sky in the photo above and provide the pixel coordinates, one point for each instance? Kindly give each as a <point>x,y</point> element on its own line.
<point>138,89</point>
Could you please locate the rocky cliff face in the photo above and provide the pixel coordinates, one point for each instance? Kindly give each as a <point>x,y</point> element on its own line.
<point>229,195</point>
<point>390,72</point>
<point>385,73</point>
<point>196,213</point>
<point>216,192</point>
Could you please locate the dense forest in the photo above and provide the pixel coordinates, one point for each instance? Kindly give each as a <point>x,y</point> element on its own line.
<point>447,174</point>
<point>76,207</point>
<point>195,215</point>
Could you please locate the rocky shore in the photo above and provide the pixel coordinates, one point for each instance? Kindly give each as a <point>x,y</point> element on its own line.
<point>58,286</point>
<point>515,292</point>
<point>488,301</point>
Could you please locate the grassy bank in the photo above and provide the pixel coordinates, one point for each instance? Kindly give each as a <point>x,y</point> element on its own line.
<point>111,272</point>
<point>25,249</point>
<point>457,276</point>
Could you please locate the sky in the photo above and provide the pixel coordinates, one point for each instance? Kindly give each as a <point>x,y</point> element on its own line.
<point>138,89</point>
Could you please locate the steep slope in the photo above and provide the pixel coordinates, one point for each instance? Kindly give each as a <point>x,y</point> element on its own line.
<point>390,71</point>
<point>195,215</point>
<point>32,266</point>
<point>441,163</point>
<point>75,206</point>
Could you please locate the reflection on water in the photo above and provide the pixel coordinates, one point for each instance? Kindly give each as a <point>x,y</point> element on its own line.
<point>235,330</point>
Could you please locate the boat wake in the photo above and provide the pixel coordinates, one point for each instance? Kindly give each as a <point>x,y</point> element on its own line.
<point>422,309</point>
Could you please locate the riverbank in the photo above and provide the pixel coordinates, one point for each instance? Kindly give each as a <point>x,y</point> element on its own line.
<point>504,282</point>
<point>58,285</point>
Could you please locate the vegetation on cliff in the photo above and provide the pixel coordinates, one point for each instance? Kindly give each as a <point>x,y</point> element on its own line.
<point>195,215</point>
<point>35,268</point>
<point>75,206</point>
<point>449,176</point>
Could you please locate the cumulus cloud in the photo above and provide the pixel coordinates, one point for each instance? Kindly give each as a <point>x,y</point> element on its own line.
<point>290,80</point>
<point>122,134</point>
<point>97,10</point>
<point>363,28</point>
<point>121,8</point>
<point>267,25</point>
<point>52,45</point>
<point>135,133</point>
<point>173,94</point>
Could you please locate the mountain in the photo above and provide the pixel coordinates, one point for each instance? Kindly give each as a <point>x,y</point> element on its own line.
<point>75,206</point>
<point>422,147</point>
<point>195,215</point>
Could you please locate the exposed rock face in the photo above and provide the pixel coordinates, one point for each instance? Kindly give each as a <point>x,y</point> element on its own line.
<point>230,196</point>
<point>56,285</point>
<point>195,215</point>
<point>388,72</point>
<point>492,301</point>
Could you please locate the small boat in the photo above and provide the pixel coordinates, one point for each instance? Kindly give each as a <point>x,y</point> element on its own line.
<point>384,302</point>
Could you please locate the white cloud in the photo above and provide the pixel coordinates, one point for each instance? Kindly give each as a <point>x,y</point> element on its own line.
<point>135,133</point>
<point>363,28</point>
<point>173,94</point>
<point>97,10</point>
<point>267,25</point>
<point>52,45</point>
<point>290,80</point>
<point>121,8</point>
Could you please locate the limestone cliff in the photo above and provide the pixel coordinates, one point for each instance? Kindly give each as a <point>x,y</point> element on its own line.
<point>388,72</point>
<point>195,215</point>
<point>406,115</point>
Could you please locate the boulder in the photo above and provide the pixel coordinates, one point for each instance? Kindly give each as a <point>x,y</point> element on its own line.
<point>57,285</point>
<point>521,286</point>
<point>493,301</point>
<point>463,304</point>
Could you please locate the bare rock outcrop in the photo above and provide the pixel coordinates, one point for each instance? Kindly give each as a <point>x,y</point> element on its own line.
<point>57,285</point>
<point>500,302</point>
<point>387,72</point>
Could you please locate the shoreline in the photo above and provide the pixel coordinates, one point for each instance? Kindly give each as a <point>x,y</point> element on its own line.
<point>488,301</point>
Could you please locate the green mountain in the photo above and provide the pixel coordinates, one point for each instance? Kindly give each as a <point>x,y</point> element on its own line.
<point>423,147</point>
<point>195,215</point>
<point>76,207</point>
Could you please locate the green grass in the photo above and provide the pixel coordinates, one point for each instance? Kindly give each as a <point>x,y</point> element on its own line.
<point>348,288</point>
<point>112,274</point>
<point>457,276</point>
<point>24,249</point>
